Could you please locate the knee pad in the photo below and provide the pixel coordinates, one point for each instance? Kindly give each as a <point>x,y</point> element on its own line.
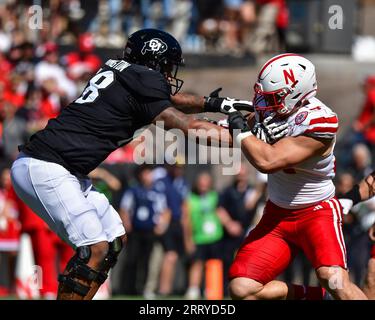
<point>110,260</point>
<point>78,269</point>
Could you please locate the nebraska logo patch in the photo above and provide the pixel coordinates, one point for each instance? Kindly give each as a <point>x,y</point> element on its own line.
<point>300,117</point>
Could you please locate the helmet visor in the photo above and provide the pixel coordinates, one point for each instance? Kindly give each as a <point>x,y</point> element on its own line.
<point>267,102</point>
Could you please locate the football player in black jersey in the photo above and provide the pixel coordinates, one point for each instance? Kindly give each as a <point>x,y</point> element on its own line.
<point>50,174</point>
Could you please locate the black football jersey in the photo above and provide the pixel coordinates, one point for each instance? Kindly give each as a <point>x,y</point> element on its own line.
<point>120,99</point>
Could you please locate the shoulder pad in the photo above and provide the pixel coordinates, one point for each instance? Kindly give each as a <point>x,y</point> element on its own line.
<point>145,82</point>
<point>316,121</point>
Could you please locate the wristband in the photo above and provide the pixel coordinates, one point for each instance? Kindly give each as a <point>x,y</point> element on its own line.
<point>238,139</point>
<point>354,195</point>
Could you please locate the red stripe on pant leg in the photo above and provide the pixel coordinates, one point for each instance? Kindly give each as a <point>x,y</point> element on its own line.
<point>339,225</point>
<point>337,229</point>
<point>339,212</point>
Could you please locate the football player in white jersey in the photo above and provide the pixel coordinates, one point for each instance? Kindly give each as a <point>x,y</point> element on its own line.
<point>302,212</point>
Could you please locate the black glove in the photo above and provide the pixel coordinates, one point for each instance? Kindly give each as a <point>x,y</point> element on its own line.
<point>214,103</point>
<point>237,122</point>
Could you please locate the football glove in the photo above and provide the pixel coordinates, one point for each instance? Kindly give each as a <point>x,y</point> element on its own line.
<point>350,199</point>
<point>214,103</point>
<point>237,122</point>
<point>270,132</point>
<point>346,205</point>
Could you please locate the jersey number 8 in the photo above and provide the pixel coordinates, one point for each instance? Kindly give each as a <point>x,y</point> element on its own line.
<point>100,81</point>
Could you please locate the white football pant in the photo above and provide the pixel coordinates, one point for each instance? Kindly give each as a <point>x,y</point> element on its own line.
<point>71,207</point>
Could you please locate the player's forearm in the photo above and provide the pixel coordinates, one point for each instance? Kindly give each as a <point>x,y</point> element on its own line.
<point>283,154</point>
<point>188,103</point>
<point>203,131</point>
<point>265,157</point>
<point>261,155</point>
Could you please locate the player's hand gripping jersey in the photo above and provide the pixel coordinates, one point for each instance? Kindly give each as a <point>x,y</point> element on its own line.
<point>311,181</point>
<point>120,99</point>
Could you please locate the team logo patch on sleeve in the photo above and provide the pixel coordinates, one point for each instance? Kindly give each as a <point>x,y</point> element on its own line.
<point>300,117</point>
<point>154,45</point>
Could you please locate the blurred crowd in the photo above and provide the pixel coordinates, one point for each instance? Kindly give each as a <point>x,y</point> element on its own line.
<point>177,221</point>
<point>180,228</point>
<point>226,26</point>
<point>355,160</point>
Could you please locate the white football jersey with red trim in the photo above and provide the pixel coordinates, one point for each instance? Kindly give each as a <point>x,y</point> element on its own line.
<point>311,181</point>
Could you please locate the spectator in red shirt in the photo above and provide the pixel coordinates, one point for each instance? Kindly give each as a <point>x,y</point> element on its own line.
<point>13,93</point>
<point>46,245</point>
<point>272,20</point>
<point>9,233</point>
<point>52,77</point>
<point>83,63</point>
<point>365,124</point>
<point>5,66</point>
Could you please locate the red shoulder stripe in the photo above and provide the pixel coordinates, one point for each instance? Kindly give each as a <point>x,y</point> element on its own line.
<point>324,120</point>
<point>322,129</point>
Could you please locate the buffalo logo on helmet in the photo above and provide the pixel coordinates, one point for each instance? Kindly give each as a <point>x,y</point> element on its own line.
<point>154,45</point>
